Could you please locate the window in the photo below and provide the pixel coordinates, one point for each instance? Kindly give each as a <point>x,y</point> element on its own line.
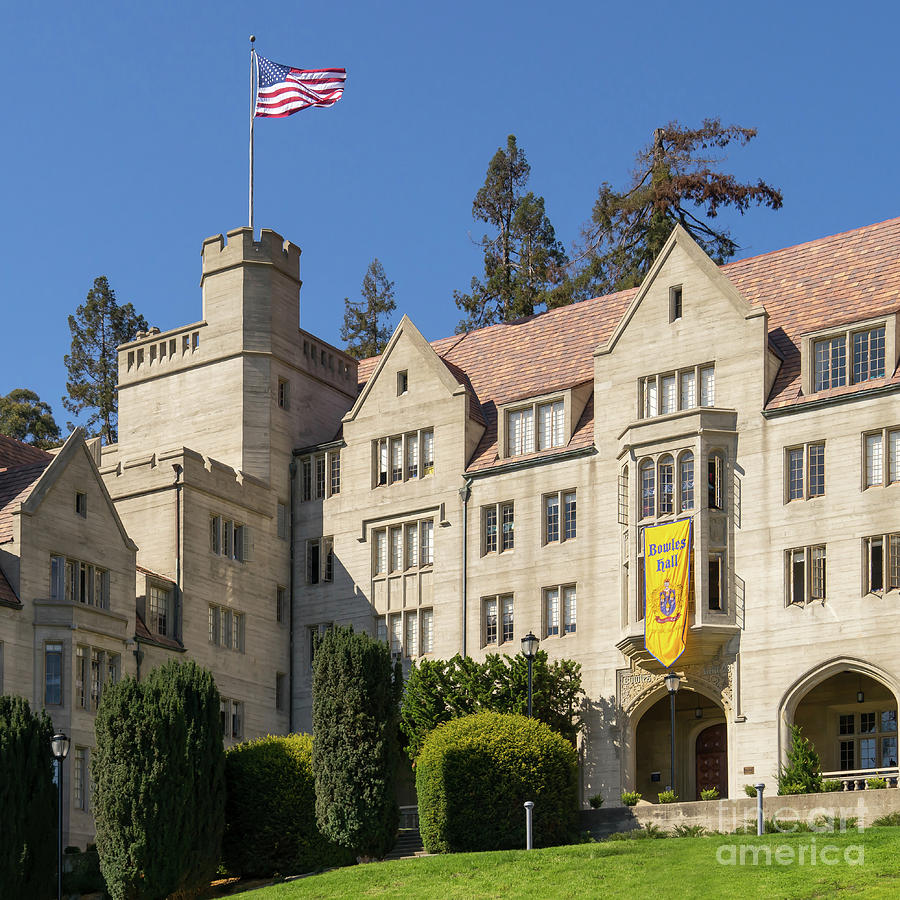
<point>498,619</point>
<point>229,539</point>
<point>402,383</point>
<point>882,563</point>
<point>283,521</point>
<point>498,528</point>
<point>427,618</point>
<point>508,626</point>
<point>715,481</point>
<point>335,462</point>
<point>320,477</point>
<point>559,620</point>
<point>81,677</point>
<point>412,635</point>
<point>402,547</point>
<point>551,428</point>
<point>648,488</point>
<point>79,771</point>
<point>284,394</point>
<point>623,496</point>
<point>381,629</point>
<point>214,624</point>
<point>280,604</point>
<point>53,674</point>
<point>313,561</point>
<point>490,620</point>
<point>686,480</point>
<point>96,678</point>
<point>237,719</point>
<point>675,296</point>
<point>666,486</point>
<point>280,691</point>
<point>316,633</point>
<point>878,471</point>
<point>159,608</point>
<point>669,392</point>
<point>716,569</point>
<point>805,471</point>
<point>556,530</point>
<point>569,609</point>
<point>830,358</point>
<point>805,575</point>
<point>867,740</point>
<point>396,459</point>
<point>81,504</point>
<point>396,621</point>
<point>78,582</point>
<point>306,479</point>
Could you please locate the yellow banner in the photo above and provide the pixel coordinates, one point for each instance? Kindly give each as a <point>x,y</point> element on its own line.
<point>667,582</point>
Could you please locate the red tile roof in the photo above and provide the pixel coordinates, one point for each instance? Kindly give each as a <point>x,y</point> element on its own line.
<point>14,453</point>
<point>827,282</point>
<point>7,594</point>
<point>15,487</point>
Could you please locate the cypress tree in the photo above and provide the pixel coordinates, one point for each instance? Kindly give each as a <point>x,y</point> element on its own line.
<point>356,694</point>
<point>28,801</point>
<point>159,786</point>
<point>803,772</point>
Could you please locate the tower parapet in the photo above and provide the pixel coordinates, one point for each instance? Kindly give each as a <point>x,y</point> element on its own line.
<point>239,249</point>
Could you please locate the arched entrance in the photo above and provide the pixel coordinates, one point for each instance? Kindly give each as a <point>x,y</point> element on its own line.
<point>701,747</point>
<point>850,715</point>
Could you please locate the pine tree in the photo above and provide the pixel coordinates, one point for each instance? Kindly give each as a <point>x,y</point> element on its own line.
<point>25,417</point>
<point>803,772</point>
<point>677,179</point>
<point>28,800</point>
<point>99,325</point>
<point>523,261</point>
<point>356,696</point>
<point>158,775</point>
<point>367,324</point>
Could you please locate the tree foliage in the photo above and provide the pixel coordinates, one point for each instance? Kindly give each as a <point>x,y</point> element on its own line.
<point>28,800</point>
<point>356,693</point>
<point>270,810</point>
<point>99,325</point>
<point>439,690</point>
<point>677,180</point>
<point>159,785</point>
<point>25,417</point>
<point>367,323</point>
<point>803,772</point>
<point>523,261</point>
<point>475,773</point>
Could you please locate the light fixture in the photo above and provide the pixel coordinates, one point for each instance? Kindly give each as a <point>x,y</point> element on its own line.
<point>860,696</point>
<point>59,744</point>
<point>529,646</point>
<point>698,712</point>
<point>673,682</point>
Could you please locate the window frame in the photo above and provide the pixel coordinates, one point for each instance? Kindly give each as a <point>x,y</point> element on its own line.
<point>499,603</point>
<point>531,412</point>
<point>504,539</point>
<point>560,498</point>
<point>566,617</point>
<point>890,563</point>
<point>805,451</point>
<point>890,462</point>
<point>650,390</point>
<point>416,457</point>
<point>389,560</point>
<point>811,593</point>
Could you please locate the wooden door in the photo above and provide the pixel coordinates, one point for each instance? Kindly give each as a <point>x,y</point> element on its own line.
<point>712,759</point>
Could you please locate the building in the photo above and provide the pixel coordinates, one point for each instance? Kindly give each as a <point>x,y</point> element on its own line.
<point>452,496</point>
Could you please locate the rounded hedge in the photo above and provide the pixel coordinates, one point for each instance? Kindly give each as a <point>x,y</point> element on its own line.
<point>270,810</point>
<point>474,774</point>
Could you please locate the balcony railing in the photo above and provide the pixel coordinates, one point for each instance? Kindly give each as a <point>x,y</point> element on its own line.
<point>856,780</point>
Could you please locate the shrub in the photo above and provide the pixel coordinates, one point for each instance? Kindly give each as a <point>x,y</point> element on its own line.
<point>650,831</point>
<point>713,793</point>
<point>270,810</point>
<point>356,696</point>
<point>667,797</point>
<point>890,820</point>
<point>28,801</point>
<point>875,784</point>
<point>830,785</point>
<point>596,801</point>
<point>802,774</point>
<point>159,783</point>
<point>750,790</point>
<point>439,690</point>
<point>630,798</point>
<point>689,831</point>
<point>474,774</point>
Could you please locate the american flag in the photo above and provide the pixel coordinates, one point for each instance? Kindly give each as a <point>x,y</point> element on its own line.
<point>284,90</point>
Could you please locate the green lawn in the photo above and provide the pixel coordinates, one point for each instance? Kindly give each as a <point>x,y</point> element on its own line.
<point>668,869</point>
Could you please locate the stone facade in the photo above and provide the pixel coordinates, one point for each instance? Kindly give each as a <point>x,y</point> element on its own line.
<point>266,486</point>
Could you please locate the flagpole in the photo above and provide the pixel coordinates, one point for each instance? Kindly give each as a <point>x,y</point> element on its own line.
<point>252,117</point>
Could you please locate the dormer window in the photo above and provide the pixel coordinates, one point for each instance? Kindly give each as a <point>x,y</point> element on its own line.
<point>81,504</point>
<point>402,383</point>
<point>520,430</point>
<point>674,303</point>
<point>851,357</point>
<point>685,389</point>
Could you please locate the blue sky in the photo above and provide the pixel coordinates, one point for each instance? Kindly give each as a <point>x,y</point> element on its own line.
<point>125,139</point>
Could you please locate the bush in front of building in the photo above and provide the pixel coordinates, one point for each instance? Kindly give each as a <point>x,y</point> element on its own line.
<point>474,774</point>
<point>667,797</point>
<point>709,793</point>
<point>270,810</point>
<point>750,790</point>
<point>159,783</point>
<point>27,800</point>
<point>438,690</point>
<point>356,706</point>
<point>630,798</point>
<point>803,772</point>
<point>830,785</point>
<point>875,784</point>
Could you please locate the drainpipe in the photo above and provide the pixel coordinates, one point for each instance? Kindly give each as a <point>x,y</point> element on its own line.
<point>464,493</point>
<point>293,474</point>
<point>178,470</point>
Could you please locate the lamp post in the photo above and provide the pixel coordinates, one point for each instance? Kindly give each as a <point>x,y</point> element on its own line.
<point>529,651</point>
<point>673,682</point>
<point>59,745</point>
